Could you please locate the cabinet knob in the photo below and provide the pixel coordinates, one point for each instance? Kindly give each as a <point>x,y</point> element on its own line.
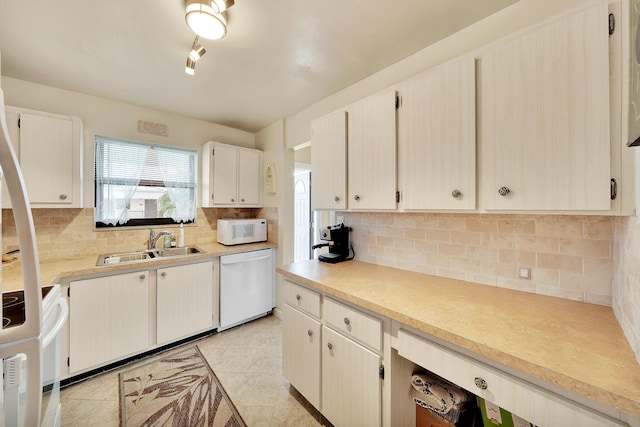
<point>163,274</point>
<point>347,321</point>
<point>233,200</point>
<point>356,198</point>
<point>330,346</point>
<point>63,197</point>
<point>504,191</point>
<point>309,332</point>
<point>298,297</point>
<point>142,276</point>
<point>456,194</point>
<point>480,383</point>
<point>336,199</point>
<point>242,200</point>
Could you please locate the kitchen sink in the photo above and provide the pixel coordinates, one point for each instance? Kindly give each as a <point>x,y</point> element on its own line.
<point>137,256</point>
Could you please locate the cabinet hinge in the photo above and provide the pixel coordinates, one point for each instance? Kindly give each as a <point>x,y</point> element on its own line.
<point>18,123</point>
<point>213,152</point>
<point>612,23</point>
<point>614,189</point>
<point>68,361</point>
<point>398,101</point>
<point>397,196</point>
<point>381,372</point>
<point>69,291</point>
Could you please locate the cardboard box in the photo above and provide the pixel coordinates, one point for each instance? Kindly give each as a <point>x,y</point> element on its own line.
<point>426,418</point>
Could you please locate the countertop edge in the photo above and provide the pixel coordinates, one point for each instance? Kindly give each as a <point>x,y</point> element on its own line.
<point>576,386</point>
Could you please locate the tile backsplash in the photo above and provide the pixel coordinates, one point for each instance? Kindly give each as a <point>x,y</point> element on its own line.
<point>568,256</point>
<point>626,282</point>
<point>70,233</point>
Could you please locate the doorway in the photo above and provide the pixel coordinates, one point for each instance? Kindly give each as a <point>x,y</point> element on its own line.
<point>303,223</point>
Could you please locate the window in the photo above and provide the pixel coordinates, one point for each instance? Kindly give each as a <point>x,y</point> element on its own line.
<point>141,184</point>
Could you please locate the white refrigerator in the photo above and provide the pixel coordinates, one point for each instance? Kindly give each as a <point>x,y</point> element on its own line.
<point>29,344</point>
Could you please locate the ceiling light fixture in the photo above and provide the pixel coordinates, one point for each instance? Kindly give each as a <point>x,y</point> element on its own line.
<point>191,66</point>
<point>197,50</point>
<point>205,18</point>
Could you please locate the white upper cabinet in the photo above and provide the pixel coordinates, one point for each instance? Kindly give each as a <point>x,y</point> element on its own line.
<point>371,152</point>
<point>329,161</point>
<point>544,117</point>
<point>230,176</point>
<point>49,149</point>
<point>437,138</point>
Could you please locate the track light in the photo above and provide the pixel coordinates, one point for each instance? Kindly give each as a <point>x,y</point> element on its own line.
<point>205,20</point>
<point>221,5</point>
<point>197,50</point>
<point>191,66</point>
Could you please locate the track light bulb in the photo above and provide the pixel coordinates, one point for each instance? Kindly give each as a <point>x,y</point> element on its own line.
<point>191,67</point>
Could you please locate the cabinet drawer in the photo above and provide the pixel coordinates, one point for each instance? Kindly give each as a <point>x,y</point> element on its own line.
<point>302,298</point>
<point>353,323</point>
<point>530,402</point>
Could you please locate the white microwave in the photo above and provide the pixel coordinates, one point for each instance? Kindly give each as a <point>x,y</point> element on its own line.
<point>238,231</point>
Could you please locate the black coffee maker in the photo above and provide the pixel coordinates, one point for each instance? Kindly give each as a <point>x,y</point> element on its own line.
<point>336,237</point>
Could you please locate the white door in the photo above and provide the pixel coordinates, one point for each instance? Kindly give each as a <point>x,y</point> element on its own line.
<point>302,214</point>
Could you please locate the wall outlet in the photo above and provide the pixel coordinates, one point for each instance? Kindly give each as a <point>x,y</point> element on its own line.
<point>340,219</point>
<point>524,273</point>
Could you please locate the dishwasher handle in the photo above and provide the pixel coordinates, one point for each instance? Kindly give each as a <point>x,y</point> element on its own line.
<point>227,262</point>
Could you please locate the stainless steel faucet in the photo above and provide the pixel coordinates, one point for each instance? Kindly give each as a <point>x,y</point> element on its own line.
<point>153,237</point>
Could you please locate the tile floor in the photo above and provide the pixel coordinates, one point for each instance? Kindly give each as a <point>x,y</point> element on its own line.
<point>247,360</point>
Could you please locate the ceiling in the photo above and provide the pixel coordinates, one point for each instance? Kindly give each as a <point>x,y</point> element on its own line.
<point>279,56</point>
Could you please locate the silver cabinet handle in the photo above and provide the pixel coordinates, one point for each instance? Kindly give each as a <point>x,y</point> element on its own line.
<point>142,276</point>
<point>298,297</point>
<point>480,383</point>
<point>336,199</point>
<point>347,321</point>
<point>504,191</point>
<point>330,346</point>
<point>309,332</point>
<point>163,274</point>
<point>356,198</point>
<point>63,197</point>
<point>456,194</point>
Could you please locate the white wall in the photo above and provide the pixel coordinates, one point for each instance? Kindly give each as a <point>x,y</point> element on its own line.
<point>271,141</point>
<point>101,116</point>
<point>509,20</point>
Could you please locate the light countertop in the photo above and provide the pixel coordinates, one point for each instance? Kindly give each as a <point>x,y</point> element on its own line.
<point>64,270</point>
<point>577,346</point>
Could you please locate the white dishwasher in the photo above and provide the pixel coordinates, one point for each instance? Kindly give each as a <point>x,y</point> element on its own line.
<point>247,287</point>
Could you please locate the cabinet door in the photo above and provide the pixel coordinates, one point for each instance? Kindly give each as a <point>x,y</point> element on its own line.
<point>545,117</point>
<point>249,177</point>
<point>46,158</point>
<point>301,353</point>
<point>225,175</point>
<point>351,389</point>
<point>437,144</point>
<point>184,301</point>
<point>329,161</point>
<point>372,153</point>
<point>108,319</point>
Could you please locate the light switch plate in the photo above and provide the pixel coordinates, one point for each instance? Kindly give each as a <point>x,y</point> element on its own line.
<point>524,273</point>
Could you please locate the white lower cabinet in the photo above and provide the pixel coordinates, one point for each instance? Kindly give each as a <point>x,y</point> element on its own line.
<point>301,353</point>
<point>108,319</point>
<point>351,386</point>
<point>184,301</point>
<point>326,363</point>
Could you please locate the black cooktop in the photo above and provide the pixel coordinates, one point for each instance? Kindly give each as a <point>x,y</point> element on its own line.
<point>13,307</point>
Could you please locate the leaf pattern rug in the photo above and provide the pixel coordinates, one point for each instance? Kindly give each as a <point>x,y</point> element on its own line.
<point>179,389</point>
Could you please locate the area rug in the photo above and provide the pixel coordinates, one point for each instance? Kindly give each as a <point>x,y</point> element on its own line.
<point>179,389</point>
